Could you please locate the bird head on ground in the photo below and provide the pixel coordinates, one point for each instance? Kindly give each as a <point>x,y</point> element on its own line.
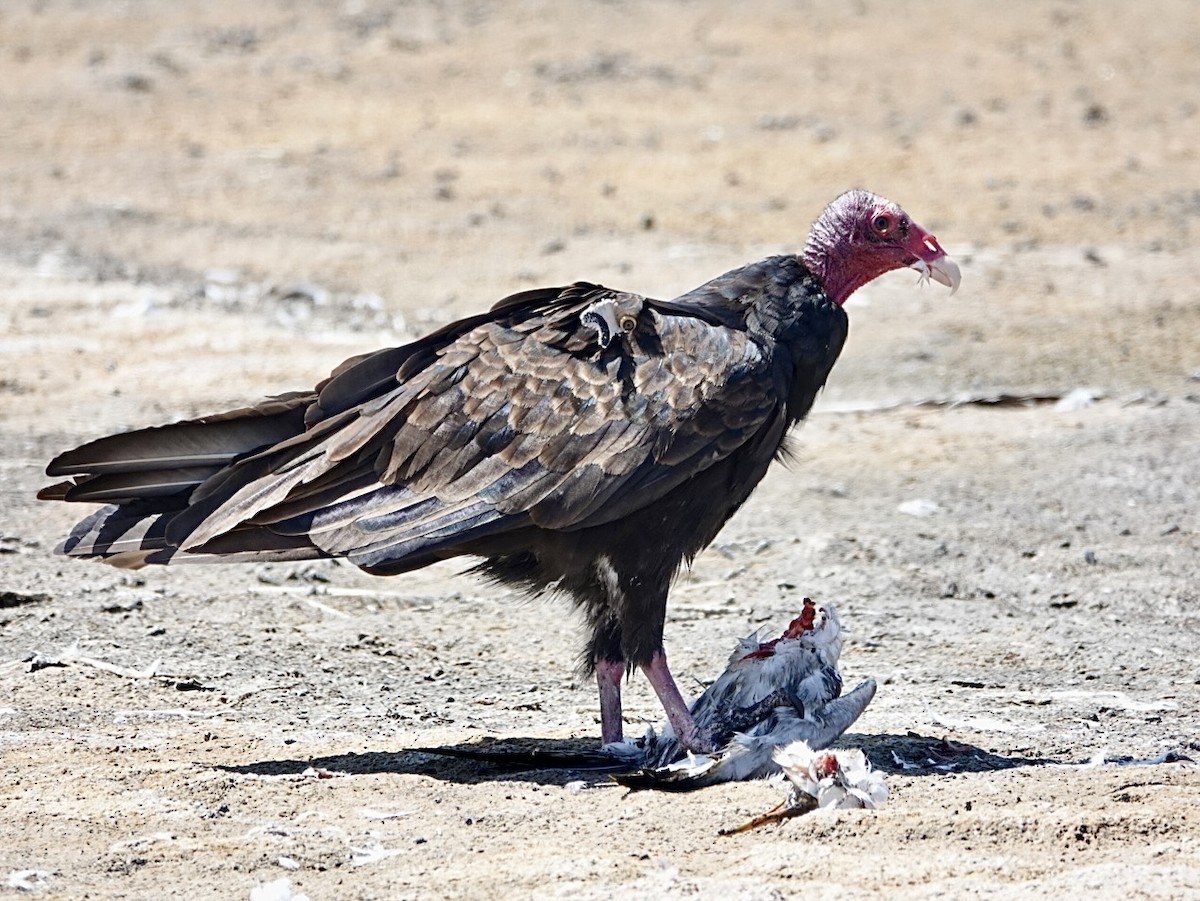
<point>861,235</point>
<point>818,627</point>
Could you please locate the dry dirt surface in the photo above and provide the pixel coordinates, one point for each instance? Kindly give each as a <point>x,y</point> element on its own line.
<point>205,203</point>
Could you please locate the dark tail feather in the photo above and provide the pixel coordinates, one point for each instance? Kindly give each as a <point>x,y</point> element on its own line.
<point>202,445</point>
<point>147,478</point>
<point>132,536</point>
<point>120,535</point>
<point>130,487</point>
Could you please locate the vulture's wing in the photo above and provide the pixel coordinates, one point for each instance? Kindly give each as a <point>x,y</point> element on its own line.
<point>514,418</point>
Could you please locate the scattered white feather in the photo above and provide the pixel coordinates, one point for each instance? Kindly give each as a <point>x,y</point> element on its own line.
<point>279,890</point>
<point>919,507</point>
<point>1073,401</point>
<point>27,880</point>
<point>373,853</point>
<point>314,772</point>
<point>693,764</point>
<point>123,716</point>
<point>141,841</point>
<point>903,763</point>
<point>72,654</point>
<point>369,813</point>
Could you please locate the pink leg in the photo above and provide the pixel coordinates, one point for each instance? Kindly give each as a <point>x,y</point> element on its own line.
<point>609,674</point>
<point>673,703</point>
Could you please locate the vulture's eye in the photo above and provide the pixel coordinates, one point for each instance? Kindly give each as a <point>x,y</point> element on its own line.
<point>882,224</point>
<point>628,323</point>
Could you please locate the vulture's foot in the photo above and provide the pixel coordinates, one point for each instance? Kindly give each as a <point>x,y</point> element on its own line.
<point>609,674</point>
<point>691,737</point>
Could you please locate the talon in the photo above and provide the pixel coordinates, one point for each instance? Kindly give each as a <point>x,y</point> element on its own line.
<point>594,318</point>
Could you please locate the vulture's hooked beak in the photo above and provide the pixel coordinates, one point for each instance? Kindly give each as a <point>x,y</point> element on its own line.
<point>931,261</point>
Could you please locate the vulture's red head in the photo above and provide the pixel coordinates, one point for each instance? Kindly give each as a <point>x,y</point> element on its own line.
<point>861,236</point>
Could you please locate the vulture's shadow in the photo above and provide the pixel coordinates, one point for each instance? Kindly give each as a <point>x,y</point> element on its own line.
<point>913,754</point>
<point>560,761</point>
<point>540,760</point>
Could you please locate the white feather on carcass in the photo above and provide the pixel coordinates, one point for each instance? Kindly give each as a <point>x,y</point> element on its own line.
<point>821,780</point>
<point>833,779</point>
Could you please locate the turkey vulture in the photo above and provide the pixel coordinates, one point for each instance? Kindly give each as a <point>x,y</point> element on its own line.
<point>577,439</point>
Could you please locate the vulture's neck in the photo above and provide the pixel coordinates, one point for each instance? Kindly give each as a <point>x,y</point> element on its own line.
<point>824,256</point>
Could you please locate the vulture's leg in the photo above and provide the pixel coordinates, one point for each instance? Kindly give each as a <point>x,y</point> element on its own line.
<point>689,734</point>
<point>609,674</point>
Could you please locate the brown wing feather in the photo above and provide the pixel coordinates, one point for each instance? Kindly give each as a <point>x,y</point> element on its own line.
<point>526,415</point>
<point>516,421</point>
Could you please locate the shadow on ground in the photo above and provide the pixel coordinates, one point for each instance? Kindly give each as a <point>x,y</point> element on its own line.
<point>545,761</point>
<point>556,762</point>
<point>913,754</point>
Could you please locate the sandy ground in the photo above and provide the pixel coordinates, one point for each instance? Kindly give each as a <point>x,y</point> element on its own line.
<point>204,203</point>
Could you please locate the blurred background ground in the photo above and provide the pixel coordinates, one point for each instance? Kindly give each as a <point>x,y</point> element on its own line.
<point>204,203</point>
